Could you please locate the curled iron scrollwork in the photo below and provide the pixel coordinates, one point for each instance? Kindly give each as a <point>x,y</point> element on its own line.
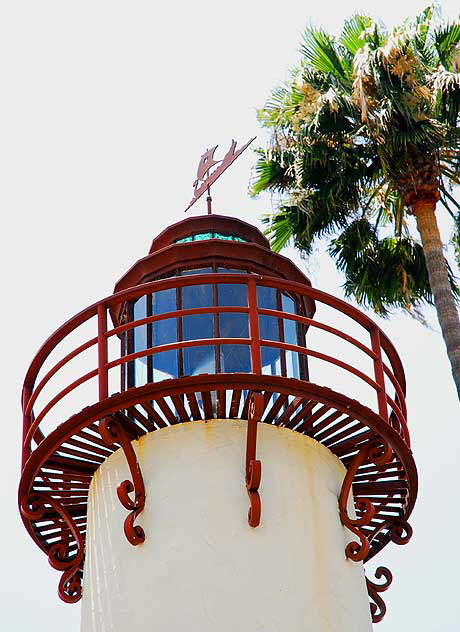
<point>377,605</point>
<point>379,453</point>
<point>61,554</point>
<point>400,531</point>
<point>112,432</point>
<point>253,465</point>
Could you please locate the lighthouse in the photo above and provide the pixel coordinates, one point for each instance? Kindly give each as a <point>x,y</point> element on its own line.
<point>217,445</point>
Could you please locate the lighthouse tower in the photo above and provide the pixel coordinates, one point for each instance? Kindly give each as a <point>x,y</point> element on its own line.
<point>217,446</point>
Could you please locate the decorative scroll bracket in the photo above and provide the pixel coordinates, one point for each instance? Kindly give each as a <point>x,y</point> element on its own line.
<point>60,556</point>
<point>379,453</point>
<point>377,605</point>
<point>253,466</point>
<point>112,432</point>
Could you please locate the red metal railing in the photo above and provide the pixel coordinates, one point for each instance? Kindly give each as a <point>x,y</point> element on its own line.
<point>392,410</point>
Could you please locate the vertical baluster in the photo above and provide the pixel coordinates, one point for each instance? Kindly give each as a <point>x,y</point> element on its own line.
<point>256,362</point>
<point>26,450</point>
<point>379,373</point>
<point>102,351</point>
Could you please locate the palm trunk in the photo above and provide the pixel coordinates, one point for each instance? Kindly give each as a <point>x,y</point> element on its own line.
<point>446,308</point>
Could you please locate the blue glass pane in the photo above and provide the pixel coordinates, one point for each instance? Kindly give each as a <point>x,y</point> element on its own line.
<point>230,271</point>
<point>197,326</point>
<point>269,327</point>
<point>165,365</point>
<point>197,296</point>
<point>266,297</point>
<point>271,361</point>
<point>288,304</point>
<point>165,331</point>
<point>199,360</point>
<point>290,331</point>
<point>140,371</point>
<point>140,333</point>
<point>196,271</point>
<point>292,364</point>
<point>235,359</point>
<point>232,294</point>
<point>233,325</point>
<point>164,301</point>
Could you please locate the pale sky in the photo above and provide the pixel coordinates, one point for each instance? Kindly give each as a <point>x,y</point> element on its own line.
<point>105,110</point>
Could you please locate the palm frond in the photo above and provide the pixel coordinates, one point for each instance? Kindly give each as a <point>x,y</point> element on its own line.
<point>446,40</point>
<point>320,50</point>
<point>353,36</point>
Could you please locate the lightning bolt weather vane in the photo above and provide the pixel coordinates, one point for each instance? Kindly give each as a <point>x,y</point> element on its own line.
<point>205,178</point>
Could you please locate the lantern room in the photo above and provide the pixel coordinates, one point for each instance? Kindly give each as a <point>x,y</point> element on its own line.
<point>218,253</point>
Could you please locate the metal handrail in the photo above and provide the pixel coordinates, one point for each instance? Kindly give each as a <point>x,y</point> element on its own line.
<point>378,342</point>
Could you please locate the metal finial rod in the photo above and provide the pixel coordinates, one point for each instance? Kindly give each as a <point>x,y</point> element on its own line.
<point>209,201</point>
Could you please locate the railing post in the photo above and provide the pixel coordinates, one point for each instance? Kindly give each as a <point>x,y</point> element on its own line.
<point>379,373</point>
<point>27,421</point>
<point>256,361</point>
<point>102,370</point>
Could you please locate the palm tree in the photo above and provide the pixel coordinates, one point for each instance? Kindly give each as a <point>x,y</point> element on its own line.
<point>365,134</point>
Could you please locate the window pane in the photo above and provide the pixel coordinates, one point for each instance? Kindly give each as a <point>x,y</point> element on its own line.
<point>165,365</point>
<point>269,327</point>
<point>140,342</point>
<point>164,301</point>
<point>197,326</point>
<point>290,331</point>
<point>197,296</point>
<point>233,325</point>
<point>165,331</point>
<point>288,303</point>
<point>235,359</point>
<point>140,371</point>
<point>199,360</point>
<point>230,271</point>
<point>266,297</point>
<point>140,333</point>
<point>196,271</point>
<point>232,294</point>
<point>292,364</point>
<point>271,361</point>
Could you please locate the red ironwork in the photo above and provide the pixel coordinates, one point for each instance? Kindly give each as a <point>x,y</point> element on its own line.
<point>253,465</point>
<point>378,607</point>
<point>60,554</point>
<point>61,453</point>
<point>112,432</point>
<point>379,454</point>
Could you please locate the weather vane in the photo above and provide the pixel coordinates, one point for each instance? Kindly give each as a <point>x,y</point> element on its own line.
<point>205,178</point>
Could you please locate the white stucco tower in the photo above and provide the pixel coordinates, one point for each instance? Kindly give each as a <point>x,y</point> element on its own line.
<point>244,452</point>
